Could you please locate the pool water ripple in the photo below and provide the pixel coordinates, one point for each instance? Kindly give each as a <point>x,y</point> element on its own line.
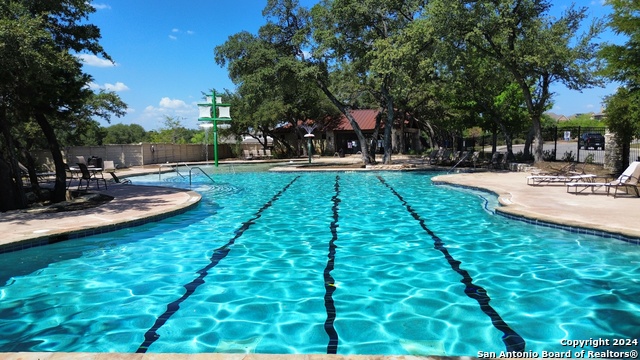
<point>392,289</point>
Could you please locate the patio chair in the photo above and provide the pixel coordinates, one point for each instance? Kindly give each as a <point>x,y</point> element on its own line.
<point>475,159</point>
<point>89,176</point>
<point>70,174</point>
<point>628,180</point>
<point>247,155</point>
<point>465,159</point>
<point>444,158</point>
<point>430,157</point>
<point>497,160</point>
<point>111,169</point>
<point>42,176</point>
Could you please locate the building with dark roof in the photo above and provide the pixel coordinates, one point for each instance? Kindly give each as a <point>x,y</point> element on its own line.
<point>340,136</point>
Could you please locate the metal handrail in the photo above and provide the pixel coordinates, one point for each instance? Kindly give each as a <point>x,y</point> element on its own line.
<point>172,168</point>
<point>168,165</point>
<point>458,163</point>
<point>177,165</point>
<point>202,171</point>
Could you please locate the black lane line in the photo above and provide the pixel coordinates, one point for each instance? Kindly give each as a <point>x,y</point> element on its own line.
<point>218,254</point>
<point>511,339</point>
<point>329,281</point>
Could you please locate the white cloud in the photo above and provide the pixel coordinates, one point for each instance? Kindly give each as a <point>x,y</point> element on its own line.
<point>178,31</point>
<point>117,87</point>
<point>165,102</point>
<point>92,60</point>
<point>101,6</point>
<point>154,117</point>
<point>590,106</point>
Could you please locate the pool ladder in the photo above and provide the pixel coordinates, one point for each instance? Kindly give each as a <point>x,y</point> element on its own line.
<point>177,170</point>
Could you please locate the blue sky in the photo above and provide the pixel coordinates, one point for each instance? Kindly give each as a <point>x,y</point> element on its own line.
<point>163,53</point>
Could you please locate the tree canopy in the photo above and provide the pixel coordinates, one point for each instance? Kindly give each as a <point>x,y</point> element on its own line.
<point>441,64</point>
<point>623,107</point>
<point>534,48</point>
<point>43,90</point>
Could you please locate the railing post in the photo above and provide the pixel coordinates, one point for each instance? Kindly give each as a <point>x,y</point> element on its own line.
<point>555,142</point>
<point>578,151</point>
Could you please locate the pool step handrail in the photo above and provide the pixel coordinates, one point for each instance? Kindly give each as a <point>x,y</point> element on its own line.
<point>202,171</point>
<point>460,161</point>
<point>160,166</point>
<point>175,167</point>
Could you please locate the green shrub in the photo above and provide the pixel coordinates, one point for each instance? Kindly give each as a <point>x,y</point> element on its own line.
<point>568,156</point>
<point>589,159</point>
<point>549,155</point>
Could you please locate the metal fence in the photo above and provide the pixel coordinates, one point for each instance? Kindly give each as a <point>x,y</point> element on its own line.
<point>560,144</point>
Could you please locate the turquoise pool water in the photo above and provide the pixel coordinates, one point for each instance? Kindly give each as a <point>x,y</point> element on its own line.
<point>352,263</point>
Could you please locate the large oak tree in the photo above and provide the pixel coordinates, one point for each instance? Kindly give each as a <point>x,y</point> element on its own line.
<point>537,49</point>
<point>42,84</point>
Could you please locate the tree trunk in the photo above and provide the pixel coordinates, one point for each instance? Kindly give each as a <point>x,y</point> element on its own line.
<point>538,141</point>
<point>625,151</point>
<point>401,144</point>
<point>507,137</point>
<point>60,187</point>
<point>11,187</point>
<point>10,197</point>
<point>535,110</point>
<point>33,176</point>
<point>374,139</point>
<point>356,128</point>
<point>388,125</point>
<point>494,138</point>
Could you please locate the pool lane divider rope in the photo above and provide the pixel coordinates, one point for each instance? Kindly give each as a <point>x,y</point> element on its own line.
<point>512,340</point>
<point>329,281</point>
<point>218,254</point>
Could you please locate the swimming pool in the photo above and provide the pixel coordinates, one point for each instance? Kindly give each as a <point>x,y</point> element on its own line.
<point>351,263</point>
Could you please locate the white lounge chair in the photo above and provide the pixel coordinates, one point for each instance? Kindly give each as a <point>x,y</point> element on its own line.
<point>559,179</point>
<point>628,180</point>
<point>110,168</point>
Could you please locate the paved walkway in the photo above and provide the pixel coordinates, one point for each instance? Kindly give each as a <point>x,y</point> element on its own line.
<point>550,203</point>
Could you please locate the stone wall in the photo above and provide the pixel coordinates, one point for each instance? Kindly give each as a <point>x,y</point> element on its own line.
<point>612,155</point>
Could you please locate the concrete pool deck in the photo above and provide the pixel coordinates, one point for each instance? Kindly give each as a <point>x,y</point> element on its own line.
<point>134,204</point>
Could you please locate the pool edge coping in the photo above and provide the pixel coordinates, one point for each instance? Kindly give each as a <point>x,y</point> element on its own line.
<point>193,199</point>
<point>507,210</point>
